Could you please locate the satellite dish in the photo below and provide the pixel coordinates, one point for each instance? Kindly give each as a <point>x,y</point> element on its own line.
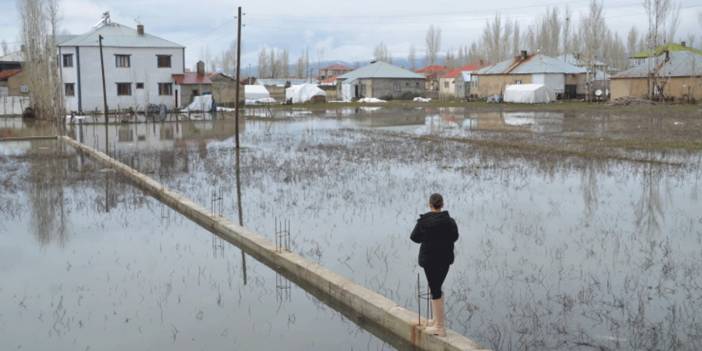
<point>598,92</point>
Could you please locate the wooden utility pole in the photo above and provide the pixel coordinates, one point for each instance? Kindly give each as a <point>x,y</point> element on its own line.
<point>236,128</point>
<point>238,75</point>
<point>104,91</point>
<point>104,94</point>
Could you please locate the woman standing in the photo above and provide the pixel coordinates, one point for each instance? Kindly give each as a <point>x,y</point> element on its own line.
<point>436,231</point>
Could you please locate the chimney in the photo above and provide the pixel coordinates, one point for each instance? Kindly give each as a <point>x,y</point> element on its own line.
<point>140,29</point>
<point>683,44</point>
<point>200,68</point>
<point>523,54</point>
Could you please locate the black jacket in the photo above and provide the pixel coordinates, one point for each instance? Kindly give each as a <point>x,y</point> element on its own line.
<point>437,232</point>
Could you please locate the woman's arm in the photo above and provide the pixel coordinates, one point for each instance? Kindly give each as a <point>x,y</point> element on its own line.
<point>454,234</point>
<point>417,234</point>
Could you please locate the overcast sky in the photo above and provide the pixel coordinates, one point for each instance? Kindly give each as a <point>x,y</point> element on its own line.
<point>336,30</point>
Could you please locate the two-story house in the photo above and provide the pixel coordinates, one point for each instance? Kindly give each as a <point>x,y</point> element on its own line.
<point>139,69</point>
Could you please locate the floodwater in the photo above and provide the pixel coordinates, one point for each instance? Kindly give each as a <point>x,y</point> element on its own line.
<point>569,241</point>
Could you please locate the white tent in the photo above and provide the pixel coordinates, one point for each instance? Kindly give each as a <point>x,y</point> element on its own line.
<point>528,94</point>
<point>298,94</point>
<point>202,103</point>
<point>255,92</point>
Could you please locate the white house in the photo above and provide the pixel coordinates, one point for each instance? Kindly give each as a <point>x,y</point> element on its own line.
<point>139,68</point>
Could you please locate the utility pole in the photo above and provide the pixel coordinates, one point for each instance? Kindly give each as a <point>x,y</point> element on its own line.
<point>104,94</point>
<point>236,124</point>
<point>238,76</point>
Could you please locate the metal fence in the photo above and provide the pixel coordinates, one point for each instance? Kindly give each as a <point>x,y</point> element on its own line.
<point>13,105</point>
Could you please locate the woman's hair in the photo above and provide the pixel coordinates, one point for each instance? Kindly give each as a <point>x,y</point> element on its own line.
<point>436,201</point>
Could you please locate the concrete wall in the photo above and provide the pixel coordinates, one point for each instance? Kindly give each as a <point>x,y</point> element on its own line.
<point>447,87</point>
<point>224,92</point>
<point>366,307</point>
<point>15,83</point>
<point>494,84</point>
<point>13,105</point>
<point>390,87</point>
<point>186,93</point>
<point>678,87</point>
<point>143,69</point>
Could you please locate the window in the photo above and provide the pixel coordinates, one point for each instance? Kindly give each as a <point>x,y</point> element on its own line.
<point>69,89</point>
<point>165,89</point>
<point>446,84</point>
<point>163,61</point>
<point>140,85</point>
<point>396,86</point>
<point>124,89</point>
<point>122,61</point>
<point>417,84</point>
<point>67,60</point>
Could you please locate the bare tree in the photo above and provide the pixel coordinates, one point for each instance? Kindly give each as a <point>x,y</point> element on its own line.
<point>566,47</point>
<point>39,20</point>
<point>632,41</point>
<point>5,49</point>
<point>433,42</point>
<point>657,11</point>
<point>412,58</point>
<point>284,58</point>
<point>263,70</point>
<point>673,23</point>
<point>381,53</point>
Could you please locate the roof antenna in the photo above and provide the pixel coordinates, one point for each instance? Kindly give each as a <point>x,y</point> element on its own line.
<point>105,20</point>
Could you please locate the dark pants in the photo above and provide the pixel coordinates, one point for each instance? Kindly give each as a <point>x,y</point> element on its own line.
<point>436,274</point>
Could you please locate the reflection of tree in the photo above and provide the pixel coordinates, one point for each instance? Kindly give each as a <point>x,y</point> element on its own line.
<point>589,187</point>
<point>649,211</point>
<point>47,177</point>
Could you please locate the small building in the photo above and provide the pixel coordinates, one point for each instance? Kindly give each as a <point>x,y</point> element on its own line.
<point>224,88</point>
<point>13,82</point>
<point>333,71</point>
<point>432,73</point>
<point>10,61</point>
<point>380,80</point>
<point>563,79</point>
<point>139,68</point>
<point>448,87</point>
<point>188,85</point>
<point>675,75</point>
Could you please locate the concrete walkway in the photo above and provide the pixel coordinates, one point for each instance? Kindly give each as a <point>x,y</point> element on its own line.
<point>367,308</point>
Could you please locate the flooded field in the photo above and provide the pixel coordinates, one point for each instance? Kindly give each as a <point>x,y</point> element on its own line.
<point>579,231</point>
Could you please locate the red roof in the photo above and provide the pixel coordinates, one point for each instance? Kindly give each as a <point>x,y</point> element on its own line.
<point>191,78</point>
<point>9,73</point>
<point>432,69</point>
<point>337,67</point>
<point>328,81</point>
<point>456,71</point>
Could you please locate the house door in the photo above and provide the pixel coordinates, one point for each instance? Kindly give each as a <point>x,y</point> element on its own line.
<point>355,91</point>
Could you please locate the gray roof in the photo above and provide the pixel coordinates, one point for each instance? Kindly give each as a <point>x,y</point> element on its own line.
<point>117,35</point>
<point>380,69</point>
<point>12,57</point>
<point>578,60</point>
<point>533,64</point>
<point>681,64</point>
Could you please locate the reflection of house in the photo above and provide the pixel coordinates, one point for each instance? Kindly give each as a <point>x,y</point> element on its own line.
<point>563,79</point>
<point>138,68</point>
<point>191,84</point>
<point>333,71</point>
<point>380,80</point>
<point>432,74</point>
<point>449,83</point>
<point>678,75</point>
